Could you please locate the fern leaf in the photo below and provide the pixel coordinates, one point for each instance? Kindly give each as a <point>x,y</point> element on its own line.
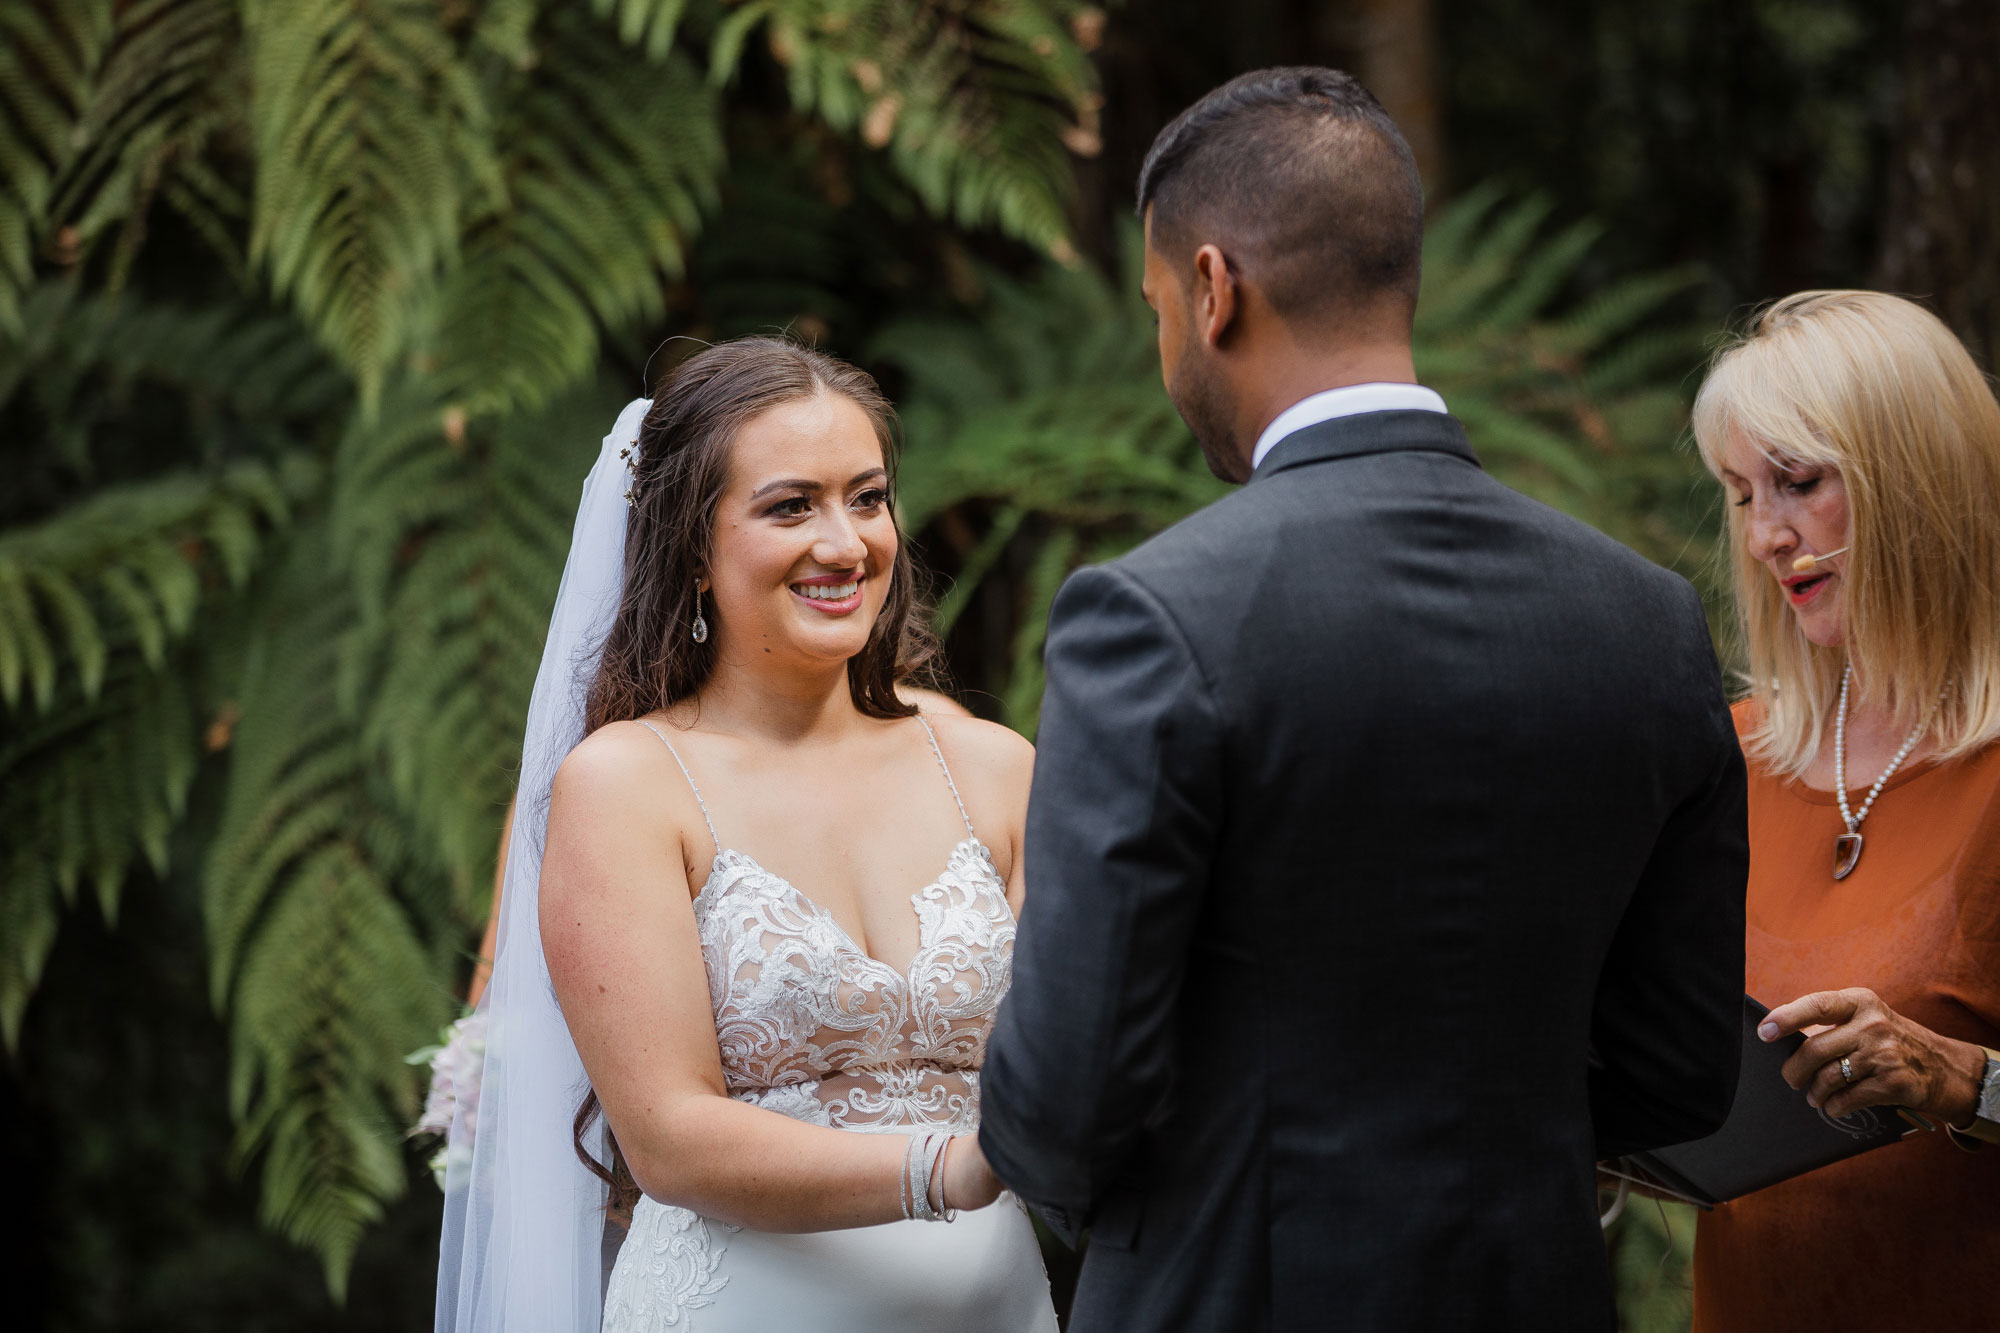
<point>319,963</point>
<point>1024,687</point>
<point>142,550</point>
<point>98,109</point>
<point>972,99</point>
<point>85,790</point>
<point>1480,251</point>
<point>335,990</point>
<point>370,134</point>
<point>609,165</point>
<point>22,626</point>
<point>79,625</point>
<point>44,76</point>
<point>141,613</point>
<point>1540,275</point>
<point>651,22</point>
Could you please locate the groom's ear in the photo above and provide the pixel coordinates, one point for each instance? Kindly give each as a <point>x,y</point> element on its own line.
<point>1214,307</point>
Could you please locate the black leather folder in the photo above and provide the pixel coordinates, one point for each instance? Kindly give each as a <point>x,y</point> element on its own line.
<point>1770,1135</point>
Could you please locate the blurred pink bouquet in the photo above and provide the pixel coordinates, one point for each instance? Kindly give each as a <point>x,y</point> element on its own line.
<point>455,1064</point>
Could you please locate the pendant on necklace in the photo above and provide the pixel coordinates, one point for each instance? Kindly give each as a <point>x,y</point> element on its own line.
<point>1846,851</point>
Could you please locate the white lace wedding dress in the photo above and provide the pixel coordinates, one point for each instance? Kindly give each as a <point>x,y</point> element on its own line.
<point>812,1027</point>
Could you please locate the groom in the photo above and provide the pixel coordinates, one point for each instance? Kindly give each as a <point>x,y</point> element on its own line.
<point>1386,852</point>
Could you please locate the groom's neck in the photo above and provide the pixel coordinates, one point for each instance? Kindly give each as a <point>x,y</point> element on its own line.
<point>1289,372</point>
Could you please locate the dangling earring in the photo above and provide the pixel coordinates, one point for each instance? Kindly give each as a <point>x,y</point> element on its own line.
<point>700,631</point>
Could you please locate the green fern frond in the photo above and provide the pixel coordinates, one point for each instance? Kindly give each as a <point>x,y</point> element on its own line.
<point>1623,305</point>
<point>153,107</point>
<point>784,245</point>
<point>316,957</point>
<point>125,567</point>
<point>609,164</point>
<point>370,134</point>
<point>45,64</point>
<point>1643,361</point>
<point>101,106</point>
<point>1053,562</point>
<point>336,988</point>
<point>1540,275</point>
<point>86,790</point>
<point>652,23</point>
<point>223,381</point>
<point>1051,401</point>
<point>974,100</point>
<point>1562,404</point>
<point>257,367</point>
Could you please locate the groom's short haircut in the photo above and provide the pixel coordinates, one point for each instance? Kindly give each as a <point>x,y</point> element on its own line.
<point>1303,180</point>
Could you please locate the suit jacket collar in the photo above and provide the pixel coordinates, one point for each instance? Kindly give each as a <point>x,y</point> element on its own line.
<point>1367,433</point>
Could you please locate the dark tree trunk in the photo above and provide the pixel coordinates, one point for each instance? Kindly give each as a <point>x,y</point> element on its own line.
<point>1942,227</point>
<point>1159,56</point>
<point>1395,53</point>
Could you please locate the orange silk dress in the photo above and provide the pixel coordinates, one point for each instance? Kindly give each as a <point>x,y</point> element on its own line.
<point>1908,1236</point>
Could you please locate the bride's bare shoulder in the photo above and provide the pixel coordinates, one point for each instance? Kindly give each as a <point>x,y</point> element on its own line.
<point>619,769</point>
<point>614,751</point>
<point>990,754</point>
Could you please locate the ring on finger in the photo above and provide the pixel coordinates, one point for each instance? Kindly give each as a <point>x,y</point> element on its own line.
<point>1846,1069</point>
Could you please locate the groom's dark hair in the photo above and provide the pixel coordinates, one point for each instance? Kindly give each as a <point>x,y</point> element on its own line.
<point>1304,180</point>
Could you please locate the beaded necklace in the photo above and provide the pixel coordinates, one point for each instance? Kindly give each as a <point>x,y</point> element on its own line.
<point>1847,846</point>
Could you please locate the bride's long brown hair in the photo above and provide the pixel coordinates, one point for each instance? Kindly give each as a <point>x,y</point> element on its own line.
<point>650,660</point>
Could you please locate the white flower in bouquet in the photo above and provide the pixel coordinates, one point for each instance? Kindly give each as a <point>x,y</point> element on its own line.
<point>456,1063</point>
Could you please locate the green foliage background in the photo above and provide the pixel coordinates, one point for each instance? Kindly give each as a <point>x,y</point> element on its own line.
<point>311,314</point>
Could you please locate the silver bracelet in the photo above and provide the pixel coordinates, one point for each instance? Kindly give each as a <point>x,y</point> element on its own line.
<point>921,1156</point>
<point>945,1213</point>
<point>920,1185</point>
<point>909,1189</point>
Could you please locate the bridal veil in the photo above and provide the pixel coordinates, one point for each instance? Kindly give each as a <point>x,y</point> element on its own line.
<point>522,1249</point>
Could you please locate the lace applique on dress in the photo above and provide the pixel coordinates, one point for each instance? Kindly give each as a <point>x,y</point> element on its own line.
<point>812,1027</point>
<point>666,1270</point>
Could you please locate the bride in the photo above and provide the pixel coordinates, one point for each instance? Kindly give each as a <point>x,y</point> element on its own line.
<point>720,1014</point>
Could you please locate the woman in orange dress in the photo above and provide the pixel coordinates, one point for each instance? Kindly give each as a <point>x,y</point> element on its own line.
<point>1860,447</point>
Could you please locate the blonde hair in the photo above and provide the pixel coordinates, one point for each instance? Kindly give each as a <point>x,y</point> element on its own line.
<point>1877,388</point>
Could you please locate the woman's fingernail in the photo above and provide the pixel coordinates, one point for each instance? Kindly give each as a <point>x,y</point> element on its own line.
<point>1812,1101</point>
<point>1768,1031</point>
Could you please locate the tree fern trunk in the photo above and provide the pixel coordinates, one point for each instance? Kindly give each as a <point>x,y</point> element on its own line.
<point>1395,54</point>
<point>1944,182</point>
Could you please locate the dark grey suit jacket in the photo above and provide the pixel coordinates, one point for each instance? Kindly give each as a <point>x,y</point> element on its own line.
<point>1385,870</point>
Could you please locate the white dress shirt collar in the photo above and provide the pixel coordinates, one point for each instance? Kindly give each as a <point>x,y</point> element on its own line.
<point>1347,401</point>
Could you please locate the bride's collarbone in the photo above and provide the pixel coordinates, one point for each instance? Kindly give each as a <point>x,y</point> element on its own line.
<point>857,840</point>
<point>857,827</point>
<point>864,880</point>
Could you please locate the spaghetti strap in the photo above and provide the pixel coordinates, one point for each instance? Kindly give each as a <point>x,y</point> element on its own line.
<point>946,770</point>
<point>696,788</point>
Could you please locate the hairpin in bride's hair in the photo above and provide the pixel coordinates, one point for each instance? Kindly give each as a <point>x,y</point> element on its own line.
<point>632,491</point>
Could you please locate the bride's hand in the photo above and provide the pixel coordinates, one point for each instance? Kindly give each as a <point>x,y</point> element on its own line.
<point>966,1181</point>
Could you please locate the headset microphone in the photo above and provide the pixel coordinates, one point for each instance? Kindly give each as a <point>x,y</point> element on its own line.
<point>1805,564</point>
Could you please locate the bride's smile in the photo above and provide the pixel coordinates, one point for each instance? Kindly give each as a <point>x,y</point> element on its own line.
<point>832,594</point>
